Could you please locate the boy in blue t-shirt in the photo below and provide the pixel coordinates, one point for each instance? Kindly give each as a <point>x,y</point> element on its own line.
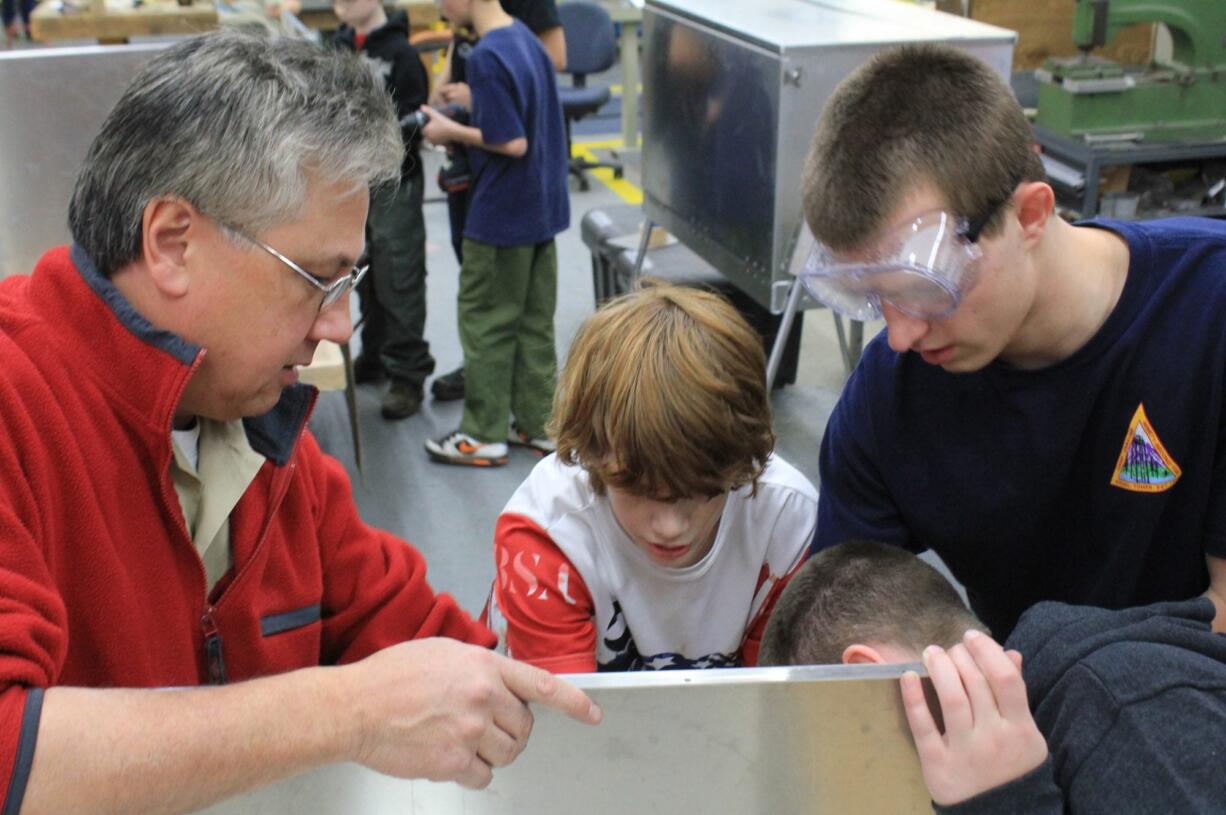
<point>519,202</point>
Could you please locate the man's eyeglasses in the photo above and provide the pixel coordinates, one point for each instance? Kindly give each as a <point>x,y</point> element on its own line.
<point>333,290</point>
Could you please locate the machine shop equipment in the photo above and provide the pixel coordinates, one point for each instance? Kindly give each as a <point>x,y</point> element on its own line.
<point>731,92</point>
<point>1183,98</point>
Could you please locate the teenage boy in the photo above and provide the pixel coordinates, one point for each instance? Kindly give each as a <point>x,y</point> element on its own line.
<point>519,202</point>
<point>1128,706</point>
<point>1046,408</point>
<point>664,528</point>
<point>394,298</point>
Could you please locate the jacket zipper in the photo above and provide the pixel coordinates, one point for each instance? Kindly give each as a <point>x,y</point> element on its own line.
<point>214,656</point>
<point>214,653</point>
<point>214,649</point>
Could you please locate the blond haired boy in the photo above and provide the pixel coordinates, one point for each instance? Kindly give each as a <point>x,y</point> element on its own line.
<point>664,528</point>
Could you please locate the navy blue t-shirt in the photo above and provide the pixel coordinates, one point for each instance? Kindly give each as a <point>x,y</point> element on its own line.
<point>1099,480</point>
<point>516,201</point>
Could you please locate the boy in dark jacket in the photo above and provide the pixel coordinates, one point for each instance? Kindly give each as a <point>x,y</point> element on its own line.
<point>394,301</point>
<point>1089,711</point>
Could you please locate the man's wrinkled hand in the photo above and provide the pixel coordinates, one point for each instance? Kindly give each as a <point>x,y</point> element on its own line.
<point>446,711</point>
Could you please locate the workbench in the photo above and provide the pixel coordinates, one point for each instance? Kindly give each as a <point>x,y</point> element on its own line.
<point>49,23</point>
<point>1076,179</point>
<point>630,19</point>
<point>423,14</point>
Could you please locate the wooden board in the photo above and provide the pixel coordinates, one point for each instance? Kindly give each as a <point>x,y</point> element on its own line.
<point>1044,29</point>
<point>423,14</point>
<point>327,368</point>
<point>48,23</point>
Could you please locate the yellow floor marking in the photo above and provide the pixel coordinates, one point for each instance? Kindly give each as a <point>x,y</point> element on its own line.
<point>620,186</point>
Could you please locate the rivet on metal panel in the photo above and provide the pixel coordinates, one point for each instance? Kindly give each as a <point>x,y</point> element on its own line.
<point>779,295</point>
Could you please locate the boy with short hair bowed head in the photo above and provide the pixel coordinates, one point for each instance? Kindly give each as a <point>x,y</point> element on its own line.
<point>1083,710</point>
<point>394,296</point>
<point>518,203</point>
<point>664,528</point>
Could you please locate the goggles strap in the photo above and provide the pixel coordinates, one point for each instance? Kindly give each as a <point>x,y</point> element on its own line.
<point>975,226</point>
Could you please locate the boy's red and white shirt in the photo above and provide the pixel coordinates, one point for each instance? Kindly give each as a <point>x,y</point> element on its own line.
<point>573,593</point>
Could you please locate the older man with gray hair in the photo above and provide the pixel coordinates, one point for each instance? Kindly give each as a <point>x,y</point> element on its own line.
<point>166,520</point>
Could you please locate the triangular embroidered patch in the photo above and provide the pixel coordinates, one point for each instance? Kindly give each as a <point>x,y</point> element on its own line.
<point>1144,465</point>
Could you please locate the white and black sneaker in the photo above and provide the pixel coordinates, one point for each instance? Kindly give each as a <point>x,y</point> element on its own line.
<point>461,448</point>
<point>540,444</point>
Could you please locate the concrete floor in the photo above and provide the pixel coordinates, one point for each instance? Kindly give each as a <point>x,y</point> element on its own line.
<point>449,512</point>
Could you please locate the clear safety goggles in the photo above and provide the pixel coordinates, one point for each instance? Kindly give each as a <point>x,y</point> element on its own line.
<point>922,268</point>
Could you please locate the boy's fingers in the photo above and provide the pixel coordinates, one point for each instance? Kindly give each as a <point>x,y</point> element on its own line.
<point>983,703</point>
<point>1016,657</point>
<point>928,742</point>
<point>1002,673</point>
<point>955,707</point>
<point>535,685</point>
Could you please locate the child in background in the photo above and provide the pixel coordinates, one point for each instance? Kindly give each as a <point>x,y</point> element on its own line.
<point>394,301</point>
<point>518,203</point>
<point>663,530</point>
<point>16,18</point>
<point>541,16</point>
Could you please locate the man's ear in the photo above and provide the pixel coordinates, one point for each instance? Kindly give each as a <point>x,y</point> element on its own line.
<point>860,654</point>
<point>167,226</point>
<point>1034,203</point>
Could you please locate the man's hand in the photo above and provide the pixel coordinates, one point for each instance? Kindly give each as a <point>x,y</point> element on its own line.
<point>455,93</point>
<point>440,129</point>
<point>447,711</point>
<point>990,736</point>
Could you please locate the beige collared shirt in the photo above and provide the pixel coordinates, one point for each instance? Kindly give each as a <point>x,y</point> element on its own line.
<point>210,484</point>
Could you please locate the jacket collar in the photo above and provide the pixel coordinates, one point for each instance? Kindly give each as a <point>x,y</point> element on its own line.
<point>147,367</point>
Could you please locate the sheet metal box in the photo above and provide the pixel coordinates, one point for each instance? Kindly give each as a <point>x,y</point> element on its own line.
<point>731,92</point>
<point>824,740</point>
<point>52,104</point>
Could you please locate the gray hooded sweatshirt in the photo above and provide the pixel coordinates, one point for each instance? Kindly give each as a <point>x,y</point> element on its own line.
<point>1133,706</point>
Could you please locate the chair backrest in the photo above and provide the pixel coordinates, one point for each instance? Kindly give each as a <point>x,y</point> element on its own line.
<point>590,47</point>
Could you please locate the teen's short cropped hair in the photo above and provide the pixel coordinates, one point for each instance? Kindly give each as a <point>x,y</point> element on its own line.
<point>863,592</point>
<point>915,114</point>
<point>664,394</point>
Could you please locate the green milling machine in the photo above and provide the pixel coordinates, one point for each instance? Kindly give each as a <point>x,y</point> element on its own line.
<point>1183,99</point>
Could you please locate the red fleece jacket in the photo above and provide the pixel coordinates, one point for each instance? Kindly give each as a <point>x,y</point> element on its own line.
<point>100,584</point>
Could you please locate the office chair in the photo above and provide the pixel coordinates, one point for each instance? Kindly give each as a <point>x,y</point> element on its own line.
<point>590,49</point>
